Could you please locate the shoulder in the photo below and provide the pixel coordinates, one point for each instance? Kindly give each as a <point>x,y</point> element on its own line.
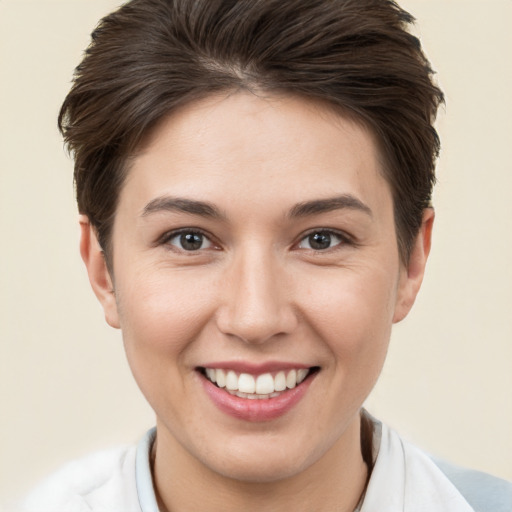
<point>484,492</point>
<point>88,484</point>
<point>421,483</point>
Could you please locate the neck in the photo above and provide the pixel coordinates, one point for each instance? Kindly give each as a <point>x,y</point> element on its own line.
<point>335,481</point>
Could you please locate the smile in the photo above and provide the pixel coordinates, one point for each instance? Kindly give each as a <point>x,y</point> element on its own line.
<point>263,386</point>
<point>256,392</point>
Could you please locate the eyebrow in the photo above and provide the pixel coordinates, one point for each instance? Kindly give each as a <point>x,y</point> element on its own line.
<point>177,204</point>
<point>206,209</point>
<point>345,201</point>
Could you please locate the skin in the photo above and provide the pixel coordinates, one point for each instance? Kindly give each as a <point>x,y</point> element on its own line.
<point>256,291</point>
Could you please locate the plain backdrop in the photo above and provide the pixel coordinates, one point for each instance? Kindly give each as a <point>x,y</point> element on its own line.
<point>65,386</point>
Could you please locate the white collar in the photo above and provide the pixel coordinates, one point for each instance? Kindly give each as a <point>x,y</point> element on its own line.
<point>404,479</point>
<point>143,477</point>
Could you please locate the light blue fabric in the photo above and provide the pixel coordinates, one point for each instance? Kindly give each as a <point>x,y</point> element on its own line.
<point>485,493</point>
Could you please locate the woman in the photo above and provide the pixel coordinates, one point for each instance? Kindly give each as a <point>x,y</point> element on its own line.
<point>254,181</point>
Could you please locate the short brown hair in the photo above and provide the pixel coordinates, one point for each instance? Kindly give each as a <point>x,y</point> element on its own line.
<point>151,56</point>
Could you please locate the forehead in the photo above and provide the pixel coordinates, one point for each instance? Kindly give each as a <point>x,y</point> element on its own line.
<point>283,147</point>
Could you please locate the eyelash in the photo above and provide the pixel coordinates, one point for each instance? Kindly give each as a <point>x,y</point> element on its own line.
<point>168,237</point>
<point>343,239</point>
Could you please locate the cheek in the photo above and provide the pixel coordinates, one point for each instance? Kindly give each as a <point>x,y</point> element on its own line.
<point>155,328</point>
<point>160,320</point>
<point>352,308</point>
<point>352,315</point>
<point>162,310</point>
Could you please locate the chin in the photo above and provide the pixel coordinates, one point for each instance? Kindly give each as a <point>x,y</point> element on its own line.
<point>260,460</point>
<point>259,469</point>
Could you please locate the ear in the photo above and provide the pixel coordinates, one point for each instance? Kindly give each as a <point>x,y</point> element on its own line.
<point>412,274</point>
<point>99,276</point>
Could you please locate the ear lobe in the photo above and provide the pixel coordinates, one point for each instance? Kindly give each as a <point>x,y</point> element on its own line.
<point>412,274</point>
<point>99,276</point>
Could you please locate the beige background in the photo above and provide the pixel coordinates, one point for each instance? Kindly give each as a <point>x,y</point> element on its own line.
<point>65,387</point>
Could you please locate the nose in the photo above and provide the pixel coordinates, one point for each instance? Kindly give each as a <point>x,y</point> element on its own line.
<point>257,301</point>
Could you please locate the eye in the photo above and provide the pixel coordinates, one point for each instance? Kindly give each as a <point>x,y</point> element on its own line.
<point>189,241</point>
<point>321,240</point>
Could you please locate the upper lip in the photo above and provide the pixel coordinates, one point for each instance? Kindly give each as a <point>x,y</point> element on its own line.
<point>255,368</point>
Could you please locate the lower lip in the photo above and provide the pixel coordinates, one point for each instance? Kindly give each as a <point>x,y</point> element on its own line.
<point>258,409</point>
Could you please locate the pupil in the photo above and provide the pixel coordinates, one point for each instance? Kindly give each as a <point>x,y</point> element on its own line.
<point>320,241</point>
<point>191,241</point>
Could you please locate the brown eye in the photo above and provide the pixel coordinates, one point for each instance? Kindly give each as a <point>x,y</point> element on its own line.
<point>190,241</point>
<point>320,240</point>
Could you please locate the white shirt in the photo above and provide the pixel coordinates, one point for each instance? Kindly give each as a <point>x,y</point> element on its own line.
<point>404,479</point>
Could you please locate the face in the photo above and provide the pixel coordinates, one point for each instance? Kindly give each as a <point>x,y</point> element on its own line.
<point>254,249</point>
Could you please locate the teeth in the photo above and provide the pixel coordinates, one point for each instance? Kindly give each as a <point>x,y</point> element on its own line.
<point>265,384</point>
<point>220,378</point>
<point>252,387</point>
<point>231,380</point>
<point>251,396</point>
<point>301,375</point>
<point>280,382</point>
<point>246,383</point>
<point>291,379</point>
